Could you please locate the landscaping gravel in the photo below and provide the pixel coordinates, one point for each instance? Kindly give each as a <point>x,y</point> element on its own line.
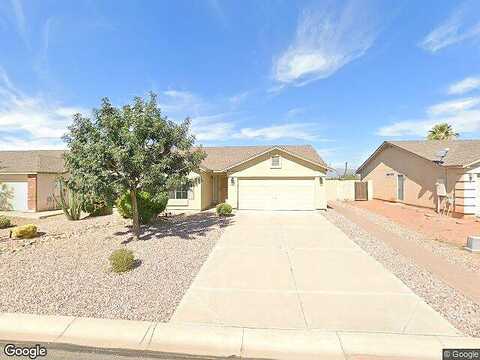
<point>453,254</point>
<point>67,271</point>
<point>463,313</point>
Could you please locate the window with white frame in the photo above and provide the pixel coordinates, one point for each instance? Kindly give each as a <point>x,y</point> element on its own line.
<point>180,192</point>
<point>276,164</point>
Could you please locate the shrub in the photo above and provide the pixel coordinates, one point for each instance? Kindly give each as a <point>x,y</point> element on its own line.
<point>24,231</point>
<point>4,222</point>
<point>224,209</point>
<point>97,208</point>
<point>122,260</point>
<point>148,206</point>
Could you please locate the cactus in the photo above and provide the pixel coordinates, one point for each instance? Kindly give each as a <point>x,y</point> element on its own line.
<point>71,204</point>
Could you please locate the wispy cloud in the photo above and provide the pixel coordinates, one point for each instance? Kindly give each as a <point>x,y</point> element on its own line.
<point>466,85</point>
<point>462,114</point>
<point>453,107</point>
<point>31,119</point>
<point>327,39</point>
<point>213,120</point>
<point>20,19</point>
<point>298,131</point>
<point>463,24</point>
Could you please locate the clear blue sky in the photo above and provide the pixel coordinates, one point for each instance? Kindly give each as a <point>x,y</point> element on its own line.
<point>341,75</point>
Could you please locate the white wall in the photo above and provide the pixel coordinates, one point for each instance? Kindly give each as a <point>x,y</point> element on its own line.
<point>340,190</point>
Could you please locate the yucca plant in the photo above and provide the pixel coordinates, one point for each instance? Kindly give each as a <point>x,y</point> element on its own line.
<point>69,201</point>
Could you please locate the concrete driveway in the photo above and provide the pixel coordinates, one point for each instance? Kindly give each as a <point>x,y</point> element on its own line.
<point>296,270</point>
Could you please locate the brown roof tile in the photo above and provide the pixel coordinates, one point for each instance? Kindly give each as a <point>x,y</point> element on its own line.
<point>460,152</point>
<point>222,157</point>
<point>218,158</point>
<point>31,161</point>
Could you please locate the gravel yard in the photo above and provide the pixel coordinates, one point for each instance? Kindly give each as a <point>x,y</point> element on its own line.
<point>66,271</point>
<point>454,306</point>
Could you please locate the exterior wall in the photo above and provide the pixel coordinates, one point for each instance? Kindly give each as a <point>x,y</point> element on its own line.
<point>340,190</point>
<point>291,167</point>
<point>194,200</point>
<point>46,189</point>
<point>420,177</point>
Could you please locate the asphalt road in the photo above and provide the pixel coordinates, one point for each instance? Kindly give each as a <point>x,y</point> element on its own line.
<point>58,352</point>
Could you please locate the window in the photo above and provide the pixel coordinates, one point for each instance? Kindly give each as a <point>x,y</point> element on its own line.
<point>276,162</point>
<point>180,192</point>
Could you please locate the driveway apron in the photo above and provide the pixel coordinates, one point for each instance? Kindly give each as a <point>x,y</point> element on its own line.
<point>296,270</point>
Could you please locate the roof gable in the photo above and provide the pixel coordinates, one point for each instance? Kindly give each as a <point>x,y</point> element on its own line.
<point>223,158</point>
<point>460,152</point>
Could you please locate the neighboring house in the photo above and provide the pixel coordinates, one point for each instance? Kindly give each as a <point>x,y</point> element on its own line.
<point>247,177</point>
<point>416,172</point>
<point>28,179</point>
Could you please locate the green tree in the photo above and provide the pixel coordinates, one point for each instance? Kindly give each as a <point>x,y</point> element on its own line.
<point>442,131</point>
<point>129,149</point>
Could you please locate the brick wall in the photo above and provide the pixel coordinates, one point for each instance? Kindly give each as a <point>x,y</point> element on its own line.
<point>32,192</point>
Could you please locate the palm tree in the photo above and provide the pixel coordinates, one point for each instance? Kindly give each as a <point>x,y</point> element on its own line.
<point>442,131</point>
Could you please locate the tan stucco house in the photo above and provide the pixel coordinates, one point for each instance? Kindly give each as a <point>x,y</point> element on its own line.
<point>29,178</point>
<point>277,177</point>
<point>417,172</point>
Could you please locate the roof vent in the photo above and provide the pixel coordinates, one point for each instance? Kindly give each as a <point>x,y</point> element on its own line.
<point>440,155</point>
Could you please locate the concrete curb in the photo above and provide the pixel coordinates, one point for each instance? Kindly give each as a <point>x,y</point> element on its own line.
<point>221,341</point>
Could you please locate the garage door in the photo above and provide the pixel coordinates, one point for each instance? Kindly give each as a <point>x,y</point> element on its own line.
<point>276,194</point>
<point>14,196</point>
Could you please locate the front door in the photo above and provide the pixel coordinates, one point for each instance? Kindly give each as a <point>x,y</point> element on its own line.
<point>401,187</point>
<point>215,189</point>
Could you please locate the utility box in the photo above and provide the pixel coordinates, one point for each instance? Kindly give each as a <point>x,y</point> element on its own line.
<point>473,244</point>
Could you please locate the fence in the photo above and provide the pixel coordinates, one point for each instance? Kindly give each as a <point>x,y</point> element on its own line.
<point>344,190</point>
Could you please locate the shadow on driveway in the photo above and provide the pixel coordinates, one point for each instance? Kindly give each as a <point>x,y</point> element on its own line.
<point>183,226</point>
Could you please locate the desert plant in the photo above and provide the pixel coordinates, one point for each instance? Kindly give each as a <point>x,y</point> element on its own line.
<point>224,209</point>
<point>132,148</point>
<point>148,206</point>
<point>25,231</point>
<point>4,222</point>
<point>122,260</point>
<point>69,201</point>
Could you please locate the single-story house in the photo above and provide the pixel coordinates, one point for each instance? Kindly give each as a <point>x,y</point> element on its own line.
<point>29,178</point>
<point>426,172</point>
<point>278,177</point>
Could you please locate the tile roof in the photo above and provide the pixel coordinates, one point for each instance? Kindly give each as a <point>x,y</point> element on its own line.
<point>223,157</point>
<point>31,161</point>
<point>460,152</point>
<point>218,158</point>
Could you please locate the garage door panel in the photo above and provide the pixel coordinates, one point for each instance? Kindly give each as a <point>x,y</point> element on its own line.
<point>15,196</point>
<point>276,194</point>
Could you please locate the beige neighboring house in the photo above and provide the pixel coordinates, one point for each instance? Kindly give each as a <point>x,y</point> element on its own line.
<point>417,172</point>
<point>29,178</point>
<point>278,177</point>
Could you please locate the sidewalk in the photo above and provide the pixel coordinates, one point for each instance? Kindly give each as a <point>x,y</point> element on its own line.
<point>225,341</point>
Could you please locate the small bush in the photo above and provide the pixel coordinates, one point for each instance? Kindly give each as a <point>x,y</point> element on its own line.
<point>97,208</point>
<point>224,209</point>
<point>122,260</point>
<point>4,222</point>
<point>148,206</point>
<point>25,231</point>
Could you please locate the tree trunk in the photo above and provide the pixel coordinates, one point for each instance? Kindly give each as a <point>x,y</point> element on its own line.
<point>136,222</point>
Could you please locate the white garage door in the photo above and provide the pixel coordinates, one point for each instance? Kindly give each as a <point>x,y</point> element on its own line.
<point>14,195</point>
<point>276,194</point>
